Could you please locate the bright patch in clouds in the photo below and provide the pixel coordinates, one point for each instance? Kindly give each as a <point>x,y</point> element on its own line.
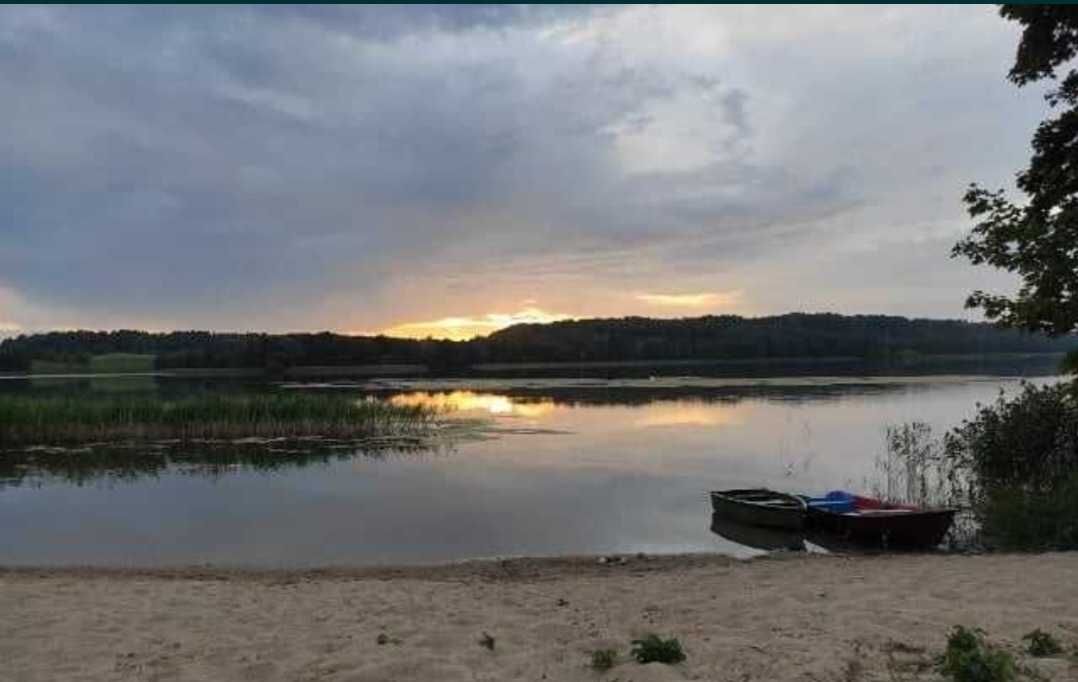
<point>707,299</point>
<point>461,328</point>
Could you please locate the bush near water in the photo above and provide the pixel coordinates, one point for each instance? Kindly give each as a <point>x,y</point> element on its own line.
<point>1013,465</point>
<point>1020,460</point>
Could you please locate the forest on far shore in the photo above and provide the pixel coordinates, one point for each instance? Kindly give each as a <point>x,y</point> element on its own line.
<point>873,338</point>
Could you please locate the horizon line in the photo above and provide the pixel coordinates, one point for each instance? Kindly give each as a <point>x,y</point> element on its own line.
<point>12,334</point>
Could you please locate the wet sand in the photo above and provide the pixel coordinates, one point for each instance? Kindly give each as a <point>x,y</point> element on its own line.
<point>780,618</point>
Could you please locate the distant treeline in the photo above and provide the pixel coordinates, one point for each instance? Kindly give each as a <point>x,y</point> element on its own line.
<point>873,338</point>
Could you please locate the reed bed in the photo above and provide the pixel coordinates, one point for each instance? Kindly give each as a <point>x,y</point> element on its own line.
<point>26,420</point>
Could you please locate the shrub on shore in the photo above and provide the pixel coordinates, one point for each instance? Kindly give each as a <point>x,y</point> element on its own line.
<point>28,420</point>
<point>1042,644</point>
<point>655,649</point>
<point>1020,456</point>
<point>1021,519</point>
<point>969,658</point>
<point>603,659</point>
<point>1014,465</point>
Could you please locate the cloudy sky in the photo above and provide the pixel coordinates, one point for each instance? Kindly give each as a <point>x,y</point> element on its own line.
<point>452,169</point>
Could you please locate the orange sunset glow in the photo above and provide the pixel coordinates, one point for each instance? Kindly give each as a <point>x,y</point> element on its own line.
<point>463,328</point>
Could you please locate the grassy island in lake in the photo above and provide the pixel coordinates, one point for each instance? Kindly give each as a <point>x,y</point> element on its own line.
<point>28,420</point>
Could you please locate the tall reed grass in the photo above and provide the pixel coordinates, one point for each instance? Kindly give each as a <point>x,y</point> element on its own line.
<point>28,420</point>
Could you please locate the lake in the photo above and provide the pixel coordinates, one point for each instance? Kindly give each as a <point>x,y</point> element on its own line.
<point>544,467</point>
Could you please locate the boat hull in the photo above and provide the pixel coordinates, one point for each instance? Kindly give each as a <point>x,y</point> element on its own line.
<point>886,528</point>
<point>751,507</point>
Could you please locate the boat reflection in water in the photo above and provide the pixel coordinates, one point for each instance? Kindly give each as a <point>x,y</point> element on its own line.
<point>758,537</point>
<point>814,541</point>
<point>781,539</point>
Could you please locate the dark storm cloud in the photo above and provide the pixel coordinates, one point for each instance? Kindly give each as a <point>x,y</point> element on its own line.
<point>392,21</point>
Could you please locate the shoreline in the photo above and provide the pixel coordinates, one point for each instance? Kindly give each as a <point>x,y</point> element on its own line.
<point>510,569</point>
<point>883,367</point>
<point>776,618</point>
<point>492,568</point>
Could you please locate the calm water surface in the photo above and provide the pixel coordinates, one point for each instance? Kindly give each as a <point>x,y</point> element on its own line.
<point>562,467</point>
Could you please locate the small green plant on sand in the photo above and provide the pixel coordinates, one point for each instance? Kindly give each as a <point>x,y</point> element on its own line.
<point>969,658</point>
<point>603,659</point>
<point>1042,644</point>
<point>654,649</point>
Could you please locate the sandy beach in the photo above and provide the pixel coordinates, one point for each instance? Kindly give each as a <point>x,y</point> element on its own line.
<point>780,618</point>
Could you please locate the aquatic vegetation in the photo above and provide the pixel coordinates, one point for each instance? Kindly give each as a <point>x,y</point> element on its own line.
<point>26,420</point>
<point>915,470</point>
<point>655,649</point>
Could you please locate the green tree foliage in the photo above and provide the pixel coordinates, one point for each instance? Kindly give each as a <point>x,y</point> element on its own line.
<point>1037,240</point>
<point>1022,454</point>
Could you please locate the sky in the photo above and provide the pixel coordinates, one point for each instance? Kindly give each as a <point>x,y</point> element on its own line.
<point>449,170</point>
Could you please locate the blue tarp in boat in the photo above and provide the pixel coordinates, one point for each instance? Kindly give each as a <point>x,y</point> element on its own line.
<point>836,502</point>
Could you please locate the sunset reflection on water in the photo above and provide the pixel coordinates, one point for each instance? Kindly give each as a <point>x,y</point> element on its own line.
<point>469,401</point>
<point>685,413</point>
